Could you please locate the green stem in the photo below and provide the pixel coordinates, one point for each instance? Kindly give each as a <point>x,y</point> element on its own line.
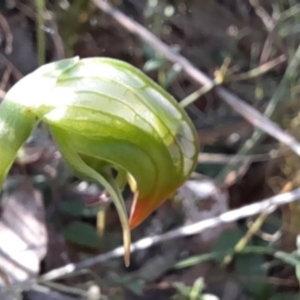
<point>16,125</point>
<point>40,7</point>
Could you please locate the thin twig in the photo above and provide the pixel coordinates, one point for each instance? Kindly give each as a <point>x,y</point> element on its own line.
<point>57,39</point>
<point>258,71</point>
<point>220,158</point>
<point>16,72</point>
<point>247,111</point>
<point>262,14</point>
<point>8,35</point>
<point>197,94</point>
<point>65,289</point>
<point>44,292</point>
<point>2,94</point>
<point>5,78</point>
<point>267,47</point>
<point>4,81</point>
<point>269,204</point>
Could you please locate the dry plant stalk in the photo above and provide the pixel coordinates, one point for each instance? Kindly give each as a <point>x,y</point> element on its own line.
<point>289,166</point>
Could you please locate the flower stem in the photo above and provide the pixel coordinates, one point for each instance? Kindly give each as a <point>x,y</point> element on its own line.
<point>16,125</point>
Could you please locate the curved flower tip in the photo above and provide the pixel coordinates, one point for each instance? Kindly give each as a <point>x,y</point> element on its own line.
<point>141,209</point>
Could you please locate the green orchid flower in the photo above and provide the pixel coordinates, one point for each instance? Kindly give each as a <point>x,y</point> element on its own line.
<point>105,115</point>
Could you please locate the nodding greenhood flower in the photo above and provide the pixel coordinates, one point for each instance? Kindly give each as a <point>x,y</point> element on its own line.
<point>105,115</point>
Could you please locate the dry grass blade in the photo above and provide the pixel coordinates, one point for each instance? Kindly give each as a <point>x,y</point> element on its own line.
<point>247,111</point>
<point>262,69</point>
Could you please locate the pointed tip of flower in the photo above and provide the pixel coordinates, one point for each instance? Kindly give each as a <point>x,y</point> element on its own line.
<point>141,210</point>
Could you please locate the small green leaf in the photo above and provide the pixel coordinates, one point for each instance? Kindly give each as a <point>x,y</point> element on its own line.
<point>183,289</point>
<point>172,74</point>
<point>194,260</point>
<point>197,289</point>
<point>253,276</point>
<point>82,234</point>
<point>289,258</point>
<point>134,285</point>
<point>74,206</point>
<point>227,241</point>
<point>152,65</point>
